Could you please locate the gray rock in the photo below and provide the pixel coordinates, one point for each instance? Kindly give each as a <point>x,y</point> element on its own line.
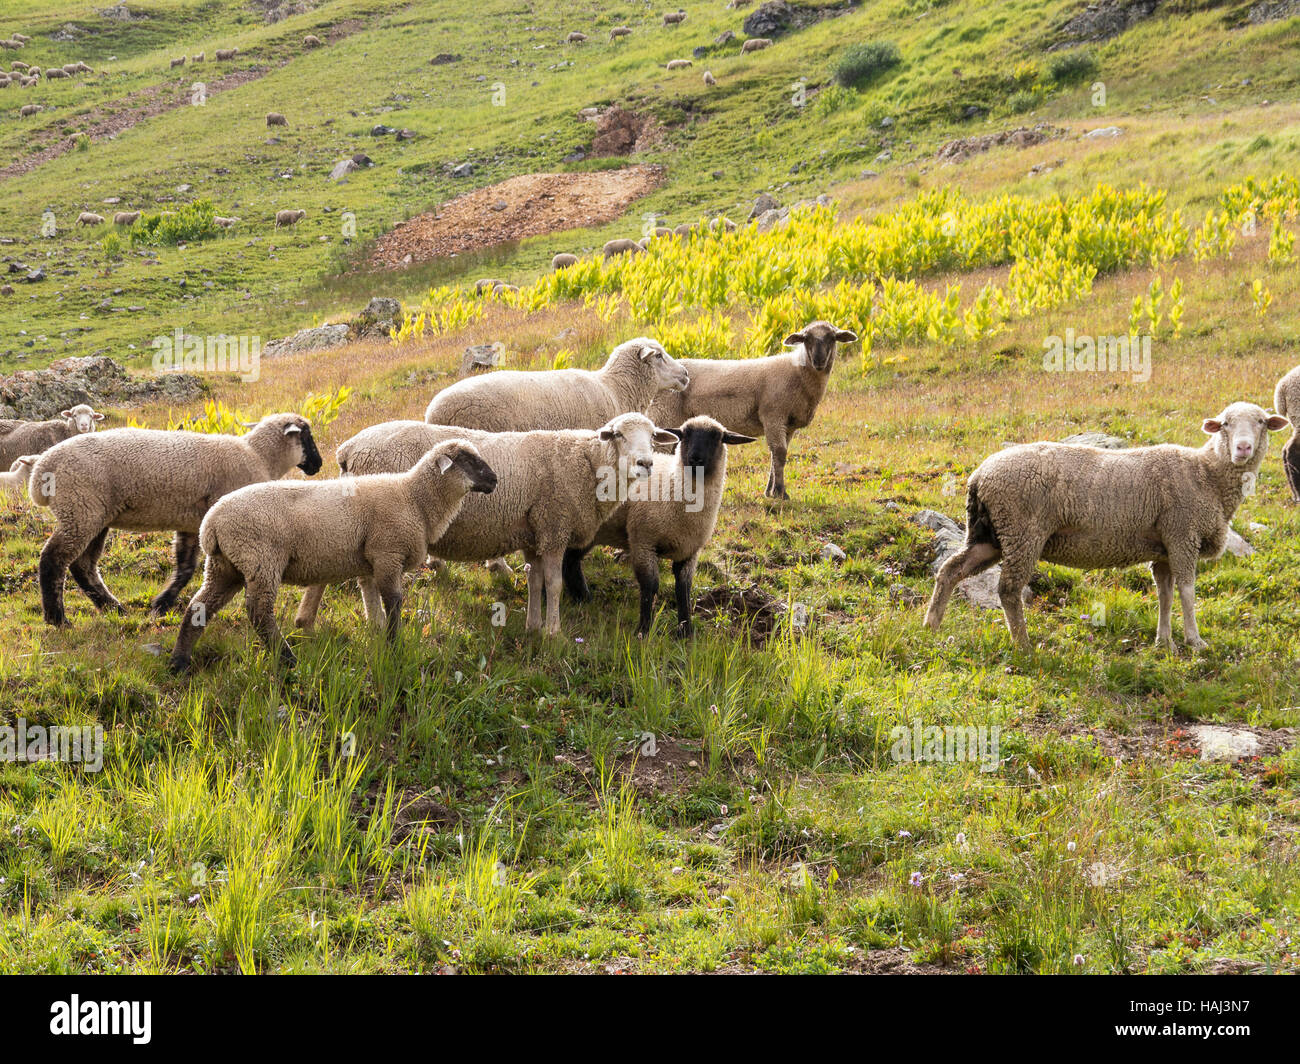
<point>94,379</point>
<point>1224,743</point>
<point>980,590</point>
<point>320,338</point>
<point>765,201</point>
<point>1236,546</point>
<point>342,168</point>
<point>832,553</point>
<point>481,357</point>
<point>463,170</point>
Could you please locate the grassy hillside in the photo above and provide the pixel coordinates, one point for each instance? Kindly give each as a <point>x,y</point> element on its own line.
<point>478,799</point>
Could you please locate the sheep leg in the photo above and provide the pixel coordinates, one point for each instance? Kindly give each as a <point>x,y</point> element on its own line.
<point>683,578</point>
<point>259,601</point>
<point>1164,578</point>
<point>387,585</point>
<point>1182,557</point>
<point>305,618</point>
<point>575,583</point>
<point>371,601</point>
<point>186,549</point>
<point>533,617</point>
<point>646,567</point>
<point>60,550</point>
<point>1291,463</point>
<point>778,440</point>
<point>553,574</point>
<point>1187,593</point>
<point>85,571</point>
<point>1017,567</point>
<point>220,582</point>
<point>972,559</point>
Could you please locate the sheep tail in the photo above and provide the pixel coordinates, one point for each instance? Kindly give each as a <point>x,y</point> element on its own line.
<point>979,522</point>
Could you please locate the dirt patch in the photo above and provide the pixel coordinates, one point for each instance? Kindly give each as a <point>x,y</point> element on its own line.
<point>420,814</point>
<point>1168,739</point>
<point>528,205</point>
<point>956,151</point>
<point>673,769</point>
<point>623,132</point>
<point>749,608</point>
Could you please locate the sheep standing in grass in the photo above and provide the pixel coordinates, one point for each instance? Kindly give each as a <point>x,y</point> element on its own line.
<point>619,32</point>
<point>674,18</point>
<point>1286,401</point>
<point>177,63</point>
<point>126,217</point>
<point>15,481</point>
<point>563,261</point>
<point>312,41</point>
<point>755,44</point>
<point>678,64</point>
<point>773,397</point>
<point>554,491</point>
<point>709,79</point>
<point>227,53</point>
<point>18,438</point>
<point>1091,508</point>
<point>669,516</point>
<point>147,480</point>
<point>371,528</point>
<point>291,217</point>
<point>274,118</point>
<point>27,110</point>
<point>622,246</point>
<point>90,218</point>
<point>575,38</point>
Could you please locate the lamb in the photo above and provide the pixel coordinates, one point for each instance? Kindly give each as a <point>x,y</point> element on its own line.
<point>148,480</point>
<point>180,61</point>
<point>619,32</point>
<point>14,482</point>
<point>90,218</point>
<point>621,247</point>
<point>27,110</point>
<point>672,515</point>
<point>486,284</point>
<point>709,79</point>
<point>575,38</point>
<point>774,396</point>
<point>371,528</point>
<point>678,64</point>
<point>226,53</point>
<point>674,18</point>
<point>563,261</point>
<point>555,490</point>
<point>1286,401</point>
<point>522,400</point>
<point>1091,508</point>
<point>312,41</point>
<point>755,44</point>
<point>201,57</point>
<point>289,217</point>
<point>126,217</point>
<point>18,438</point>
<point>274,118</point>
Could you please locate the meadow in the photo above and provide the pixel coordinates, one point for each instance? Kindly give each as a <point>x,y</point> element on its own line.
<point>474,798</point>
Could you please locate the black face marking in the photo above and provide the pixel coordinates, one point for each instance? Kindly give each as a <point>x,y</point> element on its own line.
<point>481,476</point>
<point>700,448</point>
<point>311,459</point>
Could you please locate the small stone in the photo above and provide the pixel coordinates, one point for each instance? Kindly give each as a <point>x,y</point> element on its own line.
<point>833,553</point>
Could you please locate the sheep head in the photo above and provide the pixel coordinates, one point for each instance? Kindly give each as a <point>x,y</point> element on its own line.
<point>703,442</point>
<point>83,417</point>
<point>818,339</point>
<point>634,437</point>
<point>463,457</point>
<point>1241,433</point>
<point>669,374</point>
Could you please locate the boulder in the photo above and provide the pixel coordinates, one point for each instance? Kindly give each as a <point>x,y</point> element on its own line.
<point>320,338</point>
<point>94,379</point>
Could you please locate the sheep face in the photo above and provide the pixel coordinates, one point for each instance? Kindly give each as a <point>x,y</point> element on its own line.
<point>670,375</point>
<point>634,437</point>
<point>1241,432</point>
<point>704,442</point>
<point>819,339</point>
<point>82,417</point>
<point>463,457</point>
<point>297,428</point>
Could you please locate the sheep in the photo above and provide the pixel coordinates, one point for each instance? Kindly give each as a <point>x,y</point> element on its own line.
<point>149,480</point>
<point>1091,508</point>
<point>709,79</point>
<point>621,247</point>
<point>222,222</point>
<point>575,38</point>
<point>521,400</point>
<point>200,58</point>
<point>56,73</point>
<point>126,217</point>
<point>35,437</point>
<point>178,62</point>
<point>674,18</point>
<point>685,229</point>
<point>503,287</point>
<point>10,43</point>
<point>21,38</point>
<point>29,109</point>
<point>755,44</point>
<point>555,490</point>
<point>226,53</point>
<point>672,516</point>
<point>486,284</point>
<point>370,528</point>
<point>774,396</point>
<point>678,64</point>
<point>72,68</point>
<point>14,482</point>
<point>90,218</point>
<point>34,71</point>
<point>292,217</point>
<point>619,32</point>
<point>312,41</point>
<point>274,118</point>
<point>563,261</point>
<point>27,83</point>
<point>724,224</point>
<point>1286,401</point>
<point>18,64</point>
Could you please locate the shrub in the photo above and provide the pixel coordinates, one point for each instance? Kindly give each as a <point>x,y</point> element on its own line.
<point>196,221</point>
<point>1070,67</point>
<point>1022,101</point>
<point>863,63</point>
<point>112,245</point>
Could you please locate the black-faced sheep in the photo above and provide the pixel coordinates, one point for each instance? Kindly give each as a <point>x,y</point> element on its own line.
<point>1286,401</point>
<point>1091,508</point>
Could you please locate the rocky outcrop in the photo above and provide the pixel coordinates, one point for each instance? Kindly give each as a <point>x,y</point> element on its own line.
<point>95,379</point>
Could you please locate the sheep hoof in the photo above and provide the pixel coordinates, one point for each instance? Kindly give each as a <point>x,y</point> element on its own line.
<point>180,666</point>
<point>1197,644</point>
<point>685,631</point>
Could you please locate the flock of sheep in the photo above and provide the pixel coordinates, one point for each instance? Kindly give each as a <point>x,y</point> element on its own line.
<point>554,462</point>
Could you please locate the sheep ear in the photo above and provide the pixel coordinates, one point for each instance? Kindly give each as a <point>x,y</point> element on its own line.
<point>648,352</point>
<point>1275,422</point>
<point>65,413</point>
<point>795,338</point>
<point>289,430</point>
<point>98,417</point>
<point>845,337</point>
<point>736,437</point>
<point>667,438</point>
<point>1210,426</point>
<point>444,463</point>
<point>607,434</point>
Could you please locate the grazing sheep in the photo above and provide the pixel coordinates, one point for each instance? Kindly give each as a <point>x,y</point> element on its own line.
<point>224,223</point>
<point>1091,508</point>
<point>724,224</point>
<point>486,284</point>
<point>672,516</point>
<point>56,73</point>
<point>522,400</point>
<point>274,118</point>
<point>29,109</point>
<point>575,38</point>
<point>685,229</point>
<point>312,41</point>
<point>18,438</point>
<point>621,247</point>
<point>226,53</point>
<point>34,71</point>
<point>27,83</point>
<point>21,38</point>
<point>709,79</point>
<point>503,287</point>
<point>563,261</point>
<point>18,64</point>
<point>90,218</point>
<point>148,480</point>
<point>72,68</point>
<point>370,528</point>
<point>126,217</point>
<point>554,491</point>
<point>14,482</point>
<point>289,217</point>
<point>678,64</point>
<point>619,32</point>
<point>1286,401</point>
<point>177,63</point>
<point>674,18</point>
<point>201,57</point>
<point>773,396</point>
<point>9,43</point>
<point>756,44</point>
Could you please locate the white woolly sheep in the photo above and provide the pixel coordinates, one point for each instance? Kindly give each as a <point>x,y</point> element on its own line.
<point>126,217</point>
<point>224,223</point>
<point>1091,508</point>
<point>57,72</point>
<point>619,32</point>
<point>148,480</point>
<point>756,44</point>
<point>201,57</point>
<point>274,118</point>
<point>14,482</point>
<point>27,110</point>
<point>177,63</point>
<point>370,528</point>
<point>575,37</point>
<point>1286,401</point>
<point>292,217</point>
<point>522,400</point>
<point>674,18</point>
<point>622,246</point>
<point>90,218</point>
<point>709,79</point>
<point>227,53</point>
<point>669,516</point>
<point>563,261</point>
<point>312,41</point>
<point>554,491</point>
<point>486,284</point>
<point>35,437</point>
<point>678,64</point>
<point>773,397</point>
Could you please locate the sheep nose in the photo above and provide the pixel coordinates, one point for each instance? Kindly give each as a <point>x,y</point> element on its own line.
<point>1243,448</point>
